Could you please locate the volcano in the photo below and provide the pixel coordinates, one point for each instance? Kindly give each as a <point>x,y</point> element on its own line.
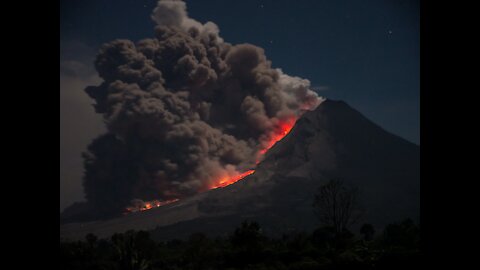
<point>333,141</point>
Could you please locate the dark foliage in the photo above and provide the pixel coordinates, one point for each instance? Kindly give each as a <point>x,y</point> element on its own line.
<point>397,247</point>
<point>368,231</point>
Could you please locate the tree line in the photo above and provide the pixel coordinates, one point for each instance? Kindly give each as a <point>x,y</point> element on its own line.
<point>331,246</point>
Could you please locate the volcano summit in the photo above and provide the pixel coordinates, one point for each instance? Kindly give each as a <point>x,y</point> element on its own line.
<point>333,141</point>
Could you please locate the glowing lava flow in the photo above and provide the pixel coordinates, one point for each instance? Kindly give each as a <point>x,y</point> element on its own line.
<point>143,206</point>
<point>281,131</point>
<point>225,181</point>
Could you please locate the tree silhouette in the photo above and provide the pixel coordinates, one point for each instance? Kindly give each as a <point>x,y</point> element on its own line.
<point>337,205</point>
<point>367,231</point>
<point>248,244</point>
<point>91,239</point>
<point>396,247</point>
<point>133,250</point>
<point>404,234</point>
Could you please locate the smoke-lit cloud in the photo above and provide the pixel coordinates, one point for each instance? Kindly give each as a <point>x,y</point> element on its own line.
<point>183,109</point>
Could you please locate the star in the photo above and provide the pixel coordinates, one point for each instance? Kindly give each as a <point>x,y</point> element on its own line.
<point>261,5</point>
<point>390,32</point>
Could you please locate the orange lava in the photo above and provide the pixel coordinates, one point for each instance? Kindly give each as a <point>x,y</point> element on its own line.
<point>148,205</point>
<point>279,132</point>
<point>228,180</point>
<point>283,128</point>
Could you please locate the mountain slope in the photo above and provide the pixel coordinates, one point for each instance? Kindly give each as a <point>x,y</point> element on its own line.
<point>334,141</point>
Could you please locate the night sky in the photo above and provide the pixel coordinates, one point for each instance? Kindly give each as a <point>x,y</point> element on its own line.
<point>363,52</point>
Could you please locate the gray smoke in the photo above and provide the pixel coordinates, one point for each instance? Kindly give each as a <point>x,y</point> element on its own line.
<point>182,110</point>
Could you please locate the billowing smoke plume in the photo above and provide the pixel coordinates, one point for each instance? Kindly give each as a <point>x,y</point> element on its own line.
<point>182,110</point>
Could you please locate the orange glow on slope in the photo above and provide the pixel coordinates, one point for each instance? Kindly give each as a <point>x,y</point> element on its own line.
<point>148,205</point>
<point>281,131</point>
<point>283,128</point>
<point>228,180</point>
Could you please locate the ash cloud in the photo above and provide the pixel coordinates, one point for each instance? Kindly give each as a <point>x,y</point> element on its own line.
<point>183,109</point>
